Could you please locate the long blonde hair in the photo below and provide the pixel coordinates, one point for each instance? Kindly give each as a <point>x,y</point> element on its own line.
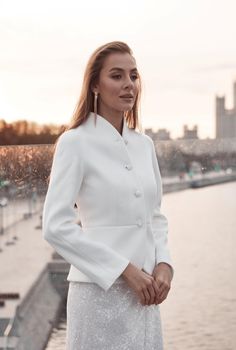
<point>91,76</point>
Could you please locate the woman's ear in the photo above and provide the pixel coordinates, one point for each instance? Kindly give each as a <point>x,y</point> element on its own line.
<point>95,88</point>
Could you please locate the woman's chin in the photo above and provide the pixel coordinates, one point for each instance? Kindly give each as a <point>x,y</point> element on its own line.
<point>128,108</point>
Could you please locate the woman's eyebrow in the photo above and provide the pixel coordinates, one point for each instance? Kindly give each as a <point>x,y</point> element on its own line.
<point>120,69</point>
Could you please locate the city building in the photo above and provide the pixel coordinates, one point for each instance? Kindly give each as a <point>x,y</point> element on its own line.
<point>162,134</point>
<point>190,134</point>
<point>226,118</point>
<point>159,135</point>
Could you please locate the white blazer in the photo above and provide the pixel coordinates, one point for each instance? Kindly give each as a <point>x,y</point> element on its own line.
<point>115,181</point>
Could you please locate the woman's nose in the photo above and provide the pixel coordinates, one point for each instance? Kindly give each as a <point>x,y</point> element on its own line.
<point>128,82</point>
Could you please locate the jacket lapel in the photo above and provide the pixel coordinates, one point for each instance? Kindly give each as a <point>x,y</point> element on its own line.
<point>107,130</point>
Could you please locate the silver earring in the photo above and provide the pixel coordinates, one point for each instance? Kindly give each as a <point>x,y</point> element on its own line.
<point>95,106</point>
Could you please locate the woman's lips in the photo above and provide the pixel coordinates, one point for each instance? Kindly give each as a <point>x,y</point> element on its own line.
<point>127,98</point>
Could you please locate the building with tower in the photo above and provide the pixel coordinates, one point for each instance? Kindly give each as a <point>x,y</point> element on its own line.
<point>190,134</point>
<point>225,118</point>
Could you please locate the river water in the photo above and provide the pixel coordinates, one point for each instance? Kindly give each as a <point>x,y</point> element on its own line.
<point>200,311</point>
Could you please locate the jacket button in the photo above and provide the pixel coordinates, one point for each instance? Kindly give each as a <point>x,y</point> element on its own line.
<point>139,223</point>
<point>138,193</point>
<point>128,166</point>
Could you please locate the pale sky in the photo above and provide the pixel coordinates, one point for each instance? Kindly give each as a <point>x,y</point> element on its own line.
<point>185,51</point>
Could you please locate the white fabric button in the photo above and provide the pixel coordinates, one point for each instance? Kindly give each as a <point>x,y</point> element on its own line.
<point>139,223</point>
<point>138,193</point>
<point>126,141</point>
<point>128,166</point>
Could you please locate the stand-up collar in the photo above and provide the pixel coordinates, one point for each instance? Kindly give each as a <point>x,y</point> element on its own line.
<point>106,129</point>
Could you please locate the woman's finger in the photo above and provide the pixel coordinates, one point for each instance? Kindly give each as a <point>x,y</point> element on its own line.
<point>147,296</point>
<point>157,291</point>
<point>162,297</point>
<point>152,293</point>
<point>164,293</point>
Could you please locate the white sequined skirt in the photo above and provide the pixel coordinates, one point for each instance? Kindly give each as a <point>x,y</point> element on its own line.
<point>110,320</point>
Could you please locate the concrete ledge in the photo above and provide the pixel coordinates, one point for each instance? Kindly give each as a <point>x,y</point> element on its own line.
<point>214,181</point>
<point>39,311</point>
<point>197,183</point>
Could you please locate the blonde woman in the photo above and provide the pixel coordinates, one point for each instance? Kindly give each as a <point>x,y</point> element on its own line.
<point>120,265</point>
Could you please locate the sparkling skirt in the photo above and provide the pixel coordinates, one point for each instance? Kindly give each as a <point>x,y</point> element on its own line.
<point>110,320</point>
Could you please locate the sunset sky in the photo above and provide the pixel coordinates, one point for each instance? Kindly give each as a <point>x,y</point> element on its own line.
<point>185,51</point>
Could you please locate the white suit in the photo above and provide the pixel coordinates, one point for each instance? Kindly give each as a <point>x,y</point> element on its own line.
<point>115,181</point>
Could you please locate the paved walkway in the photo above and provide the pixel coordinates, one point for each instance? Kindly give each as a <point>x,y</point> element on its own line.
<point>21,262</point>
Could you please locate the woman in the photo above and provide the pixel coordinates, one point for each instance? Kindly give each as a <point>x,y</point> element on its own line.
<point>121,269</point>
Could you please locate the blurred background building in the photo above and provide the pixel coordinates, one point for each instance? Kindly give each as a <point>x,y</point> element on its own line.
<point>226,118</point>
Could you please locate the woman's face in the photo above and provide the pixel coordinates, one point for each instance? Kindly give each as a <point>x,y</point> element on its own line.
<point>118,84</point>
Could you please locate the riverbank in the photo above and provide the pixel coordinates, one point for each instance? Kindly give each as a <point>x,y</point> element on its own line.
<point>202,180</point>
<point>28,271</point>
<point>22,263</point>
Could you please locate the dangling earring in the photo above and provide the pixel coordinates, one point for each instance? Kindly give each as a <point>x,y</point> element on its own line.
<point>95,105</point>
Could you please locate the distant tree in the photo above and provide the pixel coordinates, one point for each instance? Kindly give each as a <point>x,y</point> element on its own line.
<point>23,132</point>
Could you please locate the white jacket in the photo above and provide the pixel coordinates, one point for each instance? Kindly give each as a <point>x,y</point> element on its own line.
<point>115,181</point>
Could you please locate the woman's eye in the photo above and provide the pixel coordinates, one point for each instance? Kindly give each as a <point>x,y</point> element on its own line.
<point>117,76</point>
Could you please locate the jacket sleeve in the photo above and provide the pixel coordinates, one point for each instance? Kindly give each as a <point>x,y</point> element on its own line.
<point>99,262</point>
<point>159,221</point>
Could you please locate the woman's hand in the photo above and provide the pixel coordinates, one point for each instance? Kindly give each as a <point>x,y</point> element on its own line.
<point>143,284</point>
<point>162,274</point>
